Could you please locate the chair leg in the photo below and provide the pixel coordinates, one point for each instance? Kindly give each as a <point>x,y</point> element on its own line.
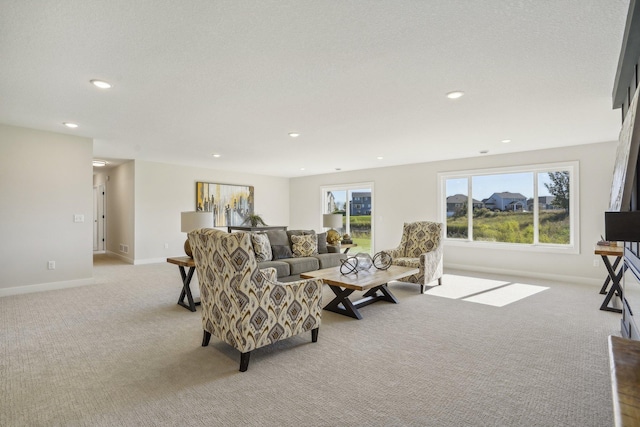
<point>205,338</point>
<point>314,335</point>
<point>244,361</point>
<point>439,281</point>
<point>422,289</point>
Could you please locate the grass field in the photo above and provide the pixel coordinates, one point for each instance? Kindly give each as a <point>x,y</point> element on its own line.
<point>361,234</point>
<point>513,227</point>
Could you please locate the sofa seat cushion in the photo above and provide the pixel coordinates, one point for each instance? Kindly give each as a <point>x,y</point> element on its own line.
<point>282,268</point>
<point>302,265</point>
<point>330,260</point>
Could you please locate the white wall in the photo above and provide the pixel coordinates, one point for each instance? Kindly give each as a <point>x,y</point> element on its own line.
<point>409,193</point>
<point>162,191</point>
<point>120,216</point>
<point>45,179</point>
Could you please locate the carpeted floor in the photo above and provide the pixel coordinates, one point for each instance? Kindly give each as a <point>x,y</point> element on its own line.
<point>122,352</point>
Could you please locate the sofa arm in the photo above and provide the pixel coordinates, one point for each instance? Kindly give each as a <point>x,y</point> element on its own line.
<point>270,274</point>
<point>395,253</point>
<point>333,249</point>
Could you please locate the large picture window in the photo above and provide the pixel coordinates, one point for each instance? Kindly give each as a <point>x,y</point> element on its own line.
<point>527,206</point>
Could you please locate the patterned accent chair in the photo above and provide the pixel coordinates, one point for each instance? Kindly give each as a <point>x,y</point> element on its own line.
<point>245,306</point>
<point>421,246</point>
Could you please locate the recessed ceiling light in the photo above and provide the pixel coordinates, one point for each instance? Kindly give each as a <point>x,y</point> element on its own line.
<point>379,157</point>
<point>338,169</point>
<point>294,134</point>
<point>216,155</point>
<point>99,163</point>
<point>505,141</point>
<point>484,151</point>
<point>455,94</point>
<point>101,84</point>
<point>70,125</point>
<point>301,169</point>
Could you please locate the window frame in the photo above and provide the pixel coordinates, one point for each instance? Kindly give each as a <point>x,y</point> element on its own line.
<point>349,187</point>
<point>573,167</point>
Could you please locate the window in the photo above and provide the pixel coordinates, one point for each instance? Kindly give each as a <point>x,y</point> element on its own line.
<point>357,220</point>
<point>526,207</point>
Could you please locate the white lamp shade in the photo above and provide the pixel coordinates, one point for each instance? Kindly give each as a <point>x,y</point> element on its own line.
<point>332,220</point>
<point>190,221</point>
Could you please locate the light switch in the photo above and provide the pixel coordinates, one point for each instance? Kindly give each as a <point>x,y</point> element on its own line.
<point>78,218</point>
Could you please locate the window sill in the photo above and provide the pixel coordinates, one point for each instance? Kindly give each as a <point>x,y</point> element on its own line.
<point>539,248</point>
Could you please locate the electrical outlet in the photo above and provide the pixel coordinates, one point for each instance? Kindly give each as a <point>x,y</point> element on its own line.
<point>51,265</point>
<point>166,246</point>
<point>596,262</point>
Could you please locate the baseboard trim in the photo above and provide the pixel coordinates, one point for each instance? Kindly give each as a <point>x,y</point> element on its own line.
<point>51,286</point>
<point>123,258</point>
<point>149,261</point>
<point>531,274</point>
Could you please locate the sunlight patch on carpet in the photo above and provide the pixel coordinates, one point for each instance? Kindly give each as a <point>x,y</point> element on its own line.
<point>497,293</point>
<point>457,287</point>
<point>506,295</point>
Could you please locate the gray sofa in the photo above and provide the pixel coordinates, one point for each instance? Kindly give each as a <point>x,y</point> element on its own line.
<point>287,265</point>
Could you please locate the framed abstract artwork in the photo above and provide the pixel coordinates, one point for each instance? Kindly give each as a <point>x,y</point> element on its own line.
<point>229,203</point>
<point>626,159</point>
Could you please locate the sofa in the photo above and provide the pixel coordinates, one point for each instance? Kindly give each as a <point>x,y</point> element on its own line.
<point>293,252</point>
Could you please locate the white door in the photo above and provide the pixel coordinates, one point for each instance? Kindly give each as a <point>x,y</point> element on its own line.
<point>98,218</point>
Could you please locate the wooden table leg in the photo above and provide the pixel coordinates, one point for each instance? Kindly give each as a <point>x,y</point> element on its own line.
<point>186,289</point>
<point>341,304</point>
<point>606,261</point>
<point>615,287</point>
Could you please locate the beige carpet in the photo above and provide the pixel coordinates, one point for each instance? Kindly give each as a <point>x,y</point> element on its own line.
<point>122,352</point>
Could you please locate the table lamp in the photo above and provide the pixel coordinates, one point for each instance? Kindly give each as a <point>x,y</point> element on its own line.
<point>332,221</point>
<point>190,221</point>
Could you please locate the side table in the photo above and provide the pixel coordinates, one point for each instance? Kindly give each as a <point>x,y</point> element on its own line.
<point>182,262</point>
<point>347,246</point>
<point>614,277</point>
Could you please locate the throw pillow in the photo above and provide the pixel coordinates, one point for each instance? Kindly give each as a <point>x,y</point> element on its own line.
<point>281,252</point>
<point>304,245</point>
<point>322,243</point>
<point>261,247</point>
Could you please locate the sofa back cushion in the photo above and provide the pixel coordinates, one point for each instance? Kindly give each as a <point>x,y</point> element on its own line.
<point>280,247</point>
<point>322,243</point>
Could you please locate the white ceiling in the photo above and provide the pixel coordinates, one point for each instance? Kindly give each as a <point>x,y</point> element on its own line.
<point>357,78</point>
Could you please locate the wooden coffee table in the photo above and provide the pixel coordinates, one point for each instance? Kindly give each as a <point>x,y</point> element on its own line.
<point>373,281</point>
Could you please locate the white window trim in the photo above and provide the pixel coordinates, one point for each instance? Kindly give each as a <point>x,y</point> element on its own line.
<point>347,187</point>
<point>574,169</point>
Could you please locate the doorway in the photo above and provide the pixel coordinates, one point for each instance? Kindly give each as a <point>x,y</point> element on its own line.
<point>355,203</point>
